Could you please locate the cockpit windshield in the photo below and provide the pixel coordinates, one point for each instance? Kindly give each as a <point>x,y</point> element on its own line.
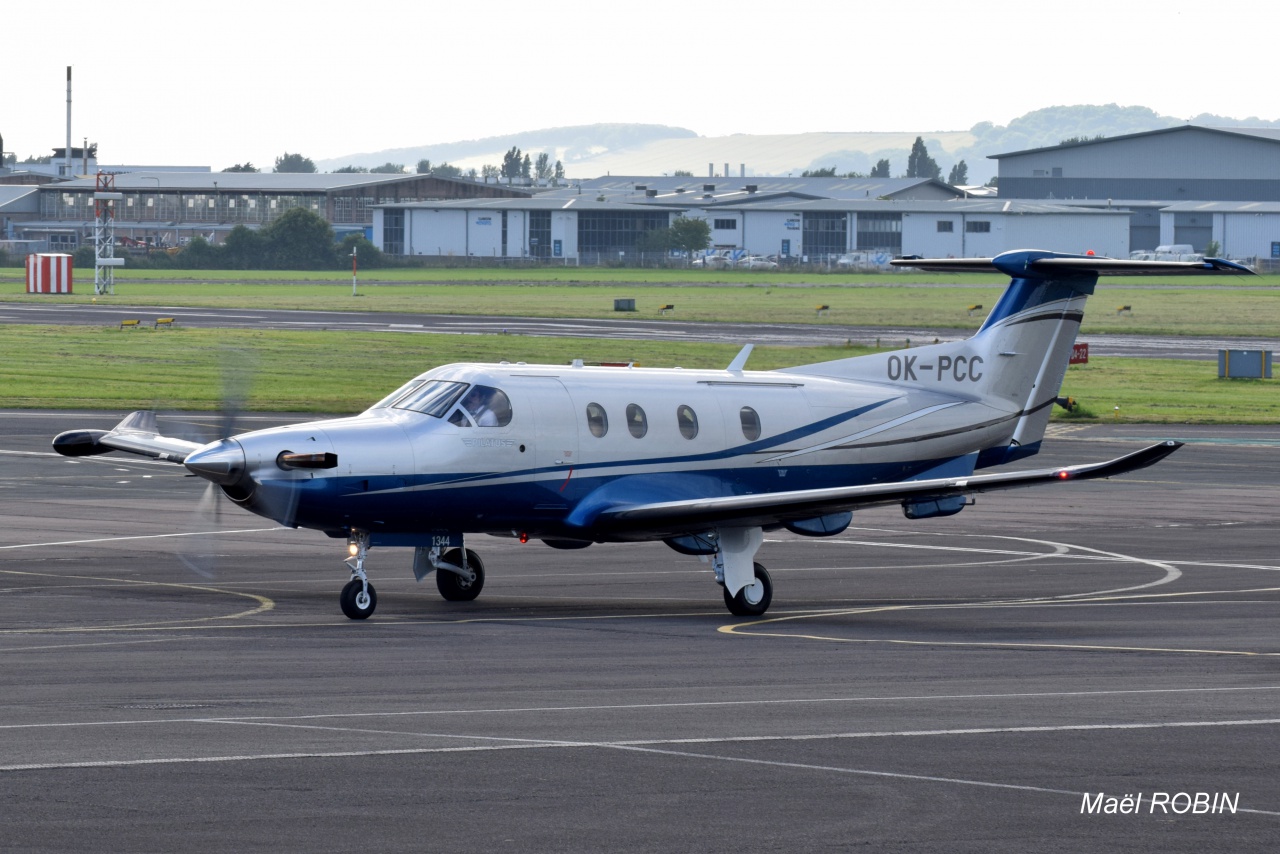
<point>433,397</point>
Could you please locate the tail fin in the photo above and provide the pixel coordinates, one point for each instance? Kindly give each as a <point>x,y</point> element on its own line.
<point>1017,360</point>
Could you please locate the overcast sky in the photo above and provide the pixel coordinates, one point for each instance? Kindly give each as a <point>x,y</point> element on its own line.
<point>213,84</point>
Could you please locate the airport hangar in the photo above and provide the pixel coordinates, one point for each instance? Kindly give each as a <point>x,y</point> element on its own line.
<point>167,208</point>
<point>1187,184</point>
<point>593,226</point>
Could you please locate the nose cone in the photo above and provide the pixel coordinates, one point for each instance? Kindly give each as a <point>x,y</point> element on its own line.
<point>222,462</point>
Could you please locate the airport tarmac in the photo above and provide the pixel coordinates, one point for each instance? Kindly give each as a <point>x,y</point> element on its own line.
<point>171,680</point>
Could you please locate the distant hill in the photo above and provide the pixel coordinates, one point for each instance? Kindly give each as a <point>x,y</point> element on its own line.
<point>569,145</point>
<point>591,151</point>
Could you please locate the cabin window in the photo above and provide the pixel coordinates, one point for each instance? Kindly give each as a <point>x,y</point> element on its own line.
<point>487,406</point>
<point>637,421</point>
<point>431,398</point>
<point>688,421</point>
<point>750,423</point>
<point>597,420</point>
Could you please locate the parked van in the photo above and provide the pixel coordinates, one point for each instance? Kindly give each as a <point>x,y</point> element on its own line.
<point>1178,252</point>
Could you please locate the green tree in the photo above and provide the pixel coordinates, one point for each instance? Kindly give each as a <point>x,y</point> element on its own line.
<point>424,166</point>
<point>920,164</point>
<point>200,254</point>
<point>294,163</point>
<point>367,255</point>
<point>542,166</point>
<point>446,170</point>
<point>690,234</point>
<point>880,170</point>
<point>825,172</point>
<point>247,166</point>
<point>959,174</point>
<point>388,168</point>
<point>655,240</point>
<point>244,249</point>
<point>682,173</point>
<point>526,168</point>
<point>488,171</point>
<point>299,239</point>
<point>350,170</point>
<point>558,175</point>
<point>511,164</point>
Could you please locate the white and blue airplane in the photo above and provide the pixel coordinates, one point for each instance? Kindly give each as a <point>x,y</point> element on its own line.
<point>704,460</point>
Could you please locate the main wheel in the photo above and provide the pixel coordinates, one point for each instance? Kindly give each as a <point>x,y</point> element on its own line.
<point>355,603</point>
<point>752,600</point>
<point>454,587</point>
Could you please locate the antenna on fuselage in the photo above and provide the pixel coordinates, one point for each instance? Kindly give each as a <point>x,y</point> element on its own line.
<point>740,361</point>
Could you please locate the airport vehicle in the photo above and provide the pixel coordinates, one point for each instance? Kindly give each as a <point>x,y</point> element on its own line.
<point>705,460</point>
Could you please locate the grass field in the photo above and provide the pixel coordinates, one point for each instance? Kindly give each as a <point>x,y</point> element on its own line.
<point>338,372</point>
<point>1211,306</point>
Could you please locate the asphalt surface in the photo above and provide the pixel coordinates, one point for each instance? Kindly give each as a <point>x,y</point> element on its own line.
<point>625,327</point>
<point>174,680</point>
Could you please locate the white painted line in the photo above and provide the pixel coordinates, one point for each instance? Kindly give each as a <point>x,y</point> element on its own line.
<point>141,537</point>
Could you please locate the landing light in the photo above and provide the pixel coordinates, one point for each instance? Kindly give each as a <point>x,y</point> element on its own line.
<point>353,549</point>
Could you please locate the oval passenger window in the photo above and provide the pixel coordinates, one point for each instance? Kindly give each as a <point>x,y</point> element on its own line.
<point>597,420</point>
<point>688,421</point>
<point>637,421</point>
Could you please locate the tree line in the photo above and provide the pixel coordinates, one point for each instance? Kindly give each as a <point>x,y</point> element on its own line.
<point>299,239</point>
<point>515,165</point>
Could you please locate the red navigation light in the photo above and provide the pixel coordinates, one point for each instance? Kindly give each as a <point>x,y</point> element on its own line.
<point>1063,475</point>
<point>1090,252</point>
<point>524,536</point>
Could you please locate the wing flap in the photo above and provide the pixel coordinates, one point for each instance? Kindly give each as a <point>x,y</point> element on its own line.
<point>672,518</point>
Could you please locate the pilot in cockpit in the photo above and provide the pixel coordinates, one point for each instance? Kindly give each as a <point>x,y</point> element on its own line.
<point>487,406</point>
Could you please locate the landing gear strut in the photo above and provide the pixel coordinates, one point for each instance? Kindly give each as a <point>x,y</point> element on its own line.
<point>358,597</point>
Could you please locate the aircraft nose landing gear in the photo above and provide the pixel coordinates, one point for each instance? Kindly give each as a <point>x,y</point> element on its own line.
<point>358,597</point>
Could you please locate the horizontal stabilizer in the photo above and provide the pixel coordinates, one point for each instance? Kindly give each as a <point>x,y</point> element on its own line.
<point>1049,264</point>
<point>767,509</point>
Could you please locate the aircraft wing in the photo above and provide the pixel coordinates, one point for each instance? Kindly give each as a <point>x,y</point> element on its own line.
<point>766,509</point>
<point>136,434</point>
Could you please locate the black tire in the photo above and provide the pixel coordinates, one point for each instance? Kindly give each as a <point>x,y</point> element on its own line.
<point>750,601</point>
<point>454,587</point>
<point>351,603</point>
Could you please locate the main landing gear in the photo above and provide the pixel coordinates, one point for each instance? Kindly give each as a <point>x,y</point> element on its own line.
<point>459,575</point>
<point>748,589</point>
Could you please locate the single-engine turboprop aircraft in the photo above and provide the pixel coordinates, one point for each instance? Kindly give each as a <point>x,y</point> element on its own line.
<point>704,460</point>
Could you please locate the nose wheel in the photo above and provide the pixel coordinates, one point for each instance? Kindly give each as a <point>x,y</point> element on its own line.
<point>358,599</point>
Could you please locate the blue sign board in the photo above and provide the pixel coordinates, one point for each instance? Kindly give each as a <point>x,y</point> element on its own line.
<point>557,248</point>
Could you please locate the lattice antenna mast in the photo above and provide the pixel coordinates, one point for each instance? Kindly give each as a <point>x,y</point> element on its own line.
<point>104,235</point>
